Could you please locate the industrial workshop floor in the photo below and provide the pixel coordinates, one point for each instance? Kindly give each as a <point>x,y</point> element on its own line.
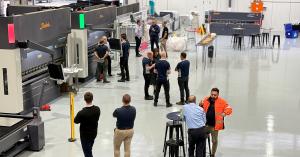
<point>262,86</point>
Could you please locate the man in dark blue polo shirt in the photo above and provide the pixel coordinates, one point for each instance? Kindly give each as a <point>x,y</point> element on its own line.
<point>183,69</point>
<point>124,58</point>
<point>154,31</point>
<point>101,54</point>
<point>148,67</point>
<point>162,68</point>
<point>125,123</point>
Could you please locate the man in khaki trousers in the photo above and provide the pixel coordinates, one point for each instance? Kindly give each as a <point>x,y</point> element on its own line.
<point>124,127</point>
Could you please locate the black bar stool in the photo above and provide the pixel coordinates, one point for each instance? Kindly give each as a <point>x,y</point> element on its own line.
<point>258,37</point>
<point>265,38</point>
<point>174,126</point>
<point>240,42</point>
<point>278,40</point>
<point>234,39</point>
<point>173,146</point>
<point>252,40</point>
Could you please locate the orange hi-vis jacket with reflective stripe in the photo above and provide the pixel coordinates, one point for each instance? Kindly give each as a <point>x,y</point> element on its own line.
<point>221,106</point>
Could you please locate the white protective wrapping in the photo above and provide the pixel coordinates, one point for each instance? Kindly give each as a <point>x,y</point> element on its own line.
<point>177,44</point>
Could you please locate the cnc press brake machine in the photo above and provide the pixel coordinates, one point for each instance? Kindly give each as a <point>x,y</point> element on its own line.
<point>28,43</point>
<point>88,26</point>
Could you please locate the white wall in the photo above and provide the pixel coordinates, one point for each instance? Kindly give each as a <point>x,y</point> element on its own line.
<point>277,13</point>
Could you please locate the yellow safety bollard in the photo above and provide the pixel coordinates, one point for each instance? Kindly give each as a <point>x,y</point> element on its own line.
<point>72,138</point>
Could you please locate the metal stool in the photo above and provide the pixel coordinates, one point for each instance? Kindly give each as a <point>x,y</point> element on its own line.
<point>278,40</point>
<point>258,37</point>
<point>177,127</point>
<point>234,39</point>
<point>173,146</point>
<point>265,38</point>
<point>240,42</point>
<point>252,40</point>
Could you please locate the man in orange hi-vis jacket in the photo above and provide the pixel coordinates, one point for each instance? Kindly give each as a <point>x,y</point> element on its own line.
<point>216,110</point>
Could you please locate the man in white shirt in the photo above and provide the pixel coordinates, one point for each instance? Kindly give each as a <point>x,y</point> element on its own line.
<point>108,57</point>
<point>138,37</point>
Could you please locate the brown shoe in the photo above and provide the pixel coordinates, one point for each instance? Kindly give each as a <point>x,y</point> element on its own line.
<point>180,103</point>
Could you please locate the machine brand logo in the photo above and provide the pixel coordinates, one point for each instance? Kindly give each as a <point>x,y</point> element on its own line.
<point>44,25</point>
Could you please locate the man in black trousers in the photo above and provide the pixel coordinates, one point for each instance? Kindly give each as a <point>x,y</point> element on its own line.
<point>154,31</point>
<point>124,59</point>
<point>183,69</point>
<point>138,37</point>
<point>148,68</point>
<point>88,119</point>
<point>195,119</point>
<point>162,68</point>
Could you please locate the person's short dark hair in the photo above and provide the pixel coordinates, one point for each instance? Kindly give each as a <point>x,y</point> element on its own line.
<point>155,50</point>
<point>215,90</point>
<point>183,54</point>
<point>124,36</point>
<point>88,97</point>
<point>126,99</point>
<point>138,21</point>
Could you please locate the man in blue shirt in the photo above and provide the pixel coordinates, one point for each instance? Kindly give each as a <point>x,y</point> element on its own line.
<point>154,31</point>
<point>148,67</point>
<point>124,59</point>
<point>125,123</point>
<point>183,69</point>
<point>195,119</point>
<point>162,68</point>
<point>101,54</point>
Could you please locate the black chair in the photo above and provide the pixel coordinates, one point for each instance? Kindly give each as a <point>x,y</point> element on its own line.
<point>174,126</point>
<point>278,40</point>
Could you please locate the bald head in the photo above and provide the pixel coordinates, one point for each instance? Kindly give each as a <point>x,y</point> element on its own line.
<point>104,38</point>
<point>192,99</point>
<point>150,54</point>
<point>101,41</point>
<point>163,55</point>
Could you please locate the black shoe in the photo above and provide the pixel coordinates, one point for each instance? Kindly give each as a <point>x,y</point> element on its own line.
<point>138,55</point>
<point>180,103</point>
<point>121,80</point>
<point>119,74</point>
<point>110,75</point>
<point>127,79</point>
<point>98,80</point>
<point>106,81</point>
<point>155,104</point>
<point>149,97</point>
<point>169,105</point>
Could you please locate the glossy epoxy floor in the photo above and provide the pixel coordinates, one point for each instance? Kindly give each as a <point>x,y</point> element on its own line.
<point>262,86</point>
